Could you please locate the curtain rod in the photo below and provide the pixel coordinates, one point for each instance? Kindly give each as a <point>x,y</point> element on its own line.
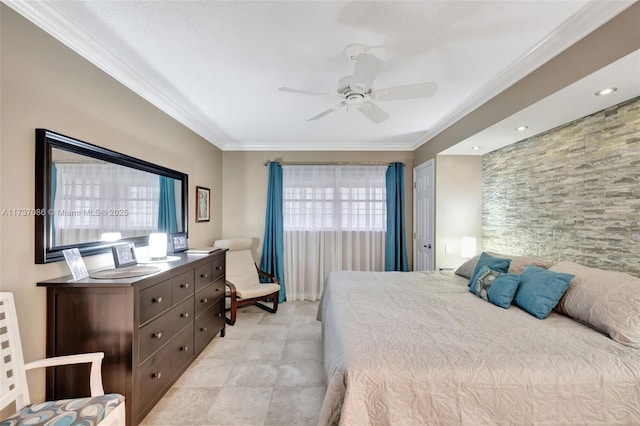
<point>331,163</point>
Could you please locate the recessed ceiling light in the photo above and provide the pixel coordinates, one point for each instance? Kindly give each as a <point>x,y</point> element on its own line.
<point>522,128</point>
<point>476,148</point>
<point>606,91</point>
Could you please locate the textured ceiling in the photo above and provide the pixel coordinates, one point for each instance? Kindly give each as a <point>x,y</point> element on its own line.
<point>216,65</point>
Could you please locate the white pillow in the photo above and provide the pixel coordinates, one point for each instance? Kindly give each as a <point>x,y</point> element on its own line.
<point>517,266</point>
<point>605,300</point>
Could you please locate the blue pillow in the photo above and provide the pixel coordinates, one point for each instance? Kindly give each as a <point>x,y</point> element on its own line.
<point>495,287</point>
<point>497,264</point>
<point>540,290</point>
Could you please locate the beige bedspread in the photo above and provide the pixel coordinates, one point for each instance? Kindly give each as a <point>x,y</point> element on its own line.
<point>418,349</point>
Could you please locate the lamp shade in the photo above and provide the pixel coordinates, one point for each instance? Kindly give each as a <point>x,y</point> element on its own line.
<point>157,245</point>
<point>468,247</point>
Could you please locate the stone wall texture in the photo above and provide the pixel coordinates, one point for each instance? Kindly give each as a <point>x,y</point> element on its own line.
<point>572,193</point>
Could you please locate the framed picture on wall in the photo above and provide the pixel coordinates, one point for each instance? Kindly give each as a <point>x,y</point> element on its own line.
<point>203,204</point>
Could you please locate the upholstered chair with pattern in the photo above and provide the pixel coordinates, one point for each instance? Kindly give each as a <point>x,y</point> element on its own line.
<point>97,409</point>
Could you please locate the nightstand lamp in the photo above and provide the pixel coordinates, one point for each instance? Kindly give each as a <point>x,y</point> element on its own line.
<point>468,247</point>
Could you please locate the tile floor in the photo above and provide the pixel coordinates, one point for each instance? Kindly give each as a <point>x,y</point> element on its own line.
<point>267,370</point>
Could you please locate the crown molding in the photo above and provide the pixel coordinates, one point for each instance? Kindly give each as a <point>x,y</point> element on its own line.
<point>43,14</point>
<point>317,146</point>
<point>590,17</point>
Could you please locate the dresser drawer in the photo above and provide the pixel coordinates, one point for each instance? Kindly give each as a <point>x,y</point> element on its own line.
<point>203,276</point>
<point>217,268</point>
<point>161,330</point>
<point>182,287</point>
<point>155,300</point>
<point>207,297</point>
<point>157,372</point>
<point>218,287</point>
<point>209,324</point>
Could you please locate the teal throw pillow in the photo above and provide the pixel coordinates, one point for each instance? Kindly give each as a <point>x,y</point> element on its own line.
<point>495,287</point>
<point>495,263</point>
<point>540,290</point>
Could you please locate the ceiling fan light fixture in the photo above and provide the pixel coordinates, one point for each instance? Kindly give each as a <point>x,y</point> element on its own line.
<point>355,99</point>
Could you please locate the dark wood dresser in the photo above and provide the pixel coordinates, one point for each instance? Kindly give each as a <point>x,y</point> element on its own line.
<point>150,328</point>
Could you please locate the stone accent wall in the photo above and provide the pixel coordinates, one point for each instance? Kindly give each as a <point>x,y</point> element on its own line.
<point>572,193</point>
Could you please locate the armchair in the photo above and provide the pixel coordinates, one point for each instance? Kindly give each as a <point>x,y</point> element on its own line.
<point>99,408</point>
<point>243,283</point>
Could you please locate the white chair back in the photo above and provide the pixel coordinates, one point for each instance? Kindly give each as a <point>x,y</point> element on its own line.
<point>240,265</point>
<point>13,379</point>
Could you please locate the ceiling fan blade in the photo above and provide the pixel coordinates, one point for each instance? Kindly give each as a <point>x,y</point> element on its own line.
<point>328,111</point>
<point>366,69</point>
<point>410,91</point>
<point>373,112</point>
<point>306,92</point>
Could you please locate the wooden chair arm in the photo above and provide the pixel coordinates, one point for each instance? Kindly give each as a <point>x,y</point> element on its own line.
<point>234,303</point>
<point>268,275</point>
<point>232,289</point>
<point>95,358</point>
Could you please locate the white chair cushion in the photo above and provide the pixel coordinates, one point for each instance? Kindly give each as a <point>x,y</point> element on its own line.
<point>257,290</point>
<point>241,271</point>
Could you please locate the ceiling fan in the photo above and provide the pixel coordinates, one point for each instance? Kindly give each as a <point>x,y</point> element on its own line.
<point>357,91</point>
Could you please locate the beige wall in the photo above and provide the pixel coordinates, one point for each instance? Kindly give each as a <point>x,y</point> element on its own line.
<point>45,84</point>
<point>245,186</point>
<point>458,205</point>
<point>614,40</point>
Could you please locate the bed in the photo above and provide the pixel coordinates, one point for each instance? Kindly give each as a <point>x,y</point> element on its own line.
<point>416,348</point>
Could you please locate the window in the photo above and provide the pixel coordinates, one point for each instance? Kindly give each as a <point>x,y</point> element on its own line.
<point>88,201</point>
<point>334,219</point>
<point>348,198</point>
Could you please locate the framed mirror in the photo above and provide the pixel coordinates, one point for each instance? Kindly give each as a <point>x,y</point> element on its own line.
<point>92,198</point>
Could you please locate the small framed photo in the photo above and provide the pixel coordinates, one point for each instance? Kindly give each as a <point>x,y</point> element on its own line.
<point>124,255</point>
<point>178,242</point>
<point>75,263</point>
<point>203,204</point>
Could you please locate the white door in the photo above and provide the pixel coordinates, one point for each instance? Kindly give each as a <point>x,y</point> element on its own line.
<point>423,220</point>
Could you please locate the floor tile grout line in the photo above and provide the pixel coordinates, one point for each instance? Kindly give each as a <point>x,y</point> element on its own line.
<point>292,358</point>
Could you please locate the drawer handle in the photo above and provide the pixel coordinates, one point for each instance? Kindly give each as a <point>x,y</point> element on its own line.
<point>156,300</point>
<point>219,314</point>
<point>185,285</point>
<point>157,335</point>
<point>204,275</point>
<point>203,328</point>
<point>184,315</point>
<point>217,289</point>
<point>218,268</point>
<point>184,348</point>
<point>205,300</point>
<point>157,375</point>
